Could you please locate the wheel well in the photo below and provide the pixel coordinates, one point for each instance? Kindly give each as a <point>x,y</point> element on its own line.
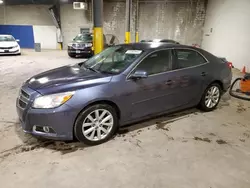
<point>98,102</point>
<point>218,82</point>
<point>105,102</point>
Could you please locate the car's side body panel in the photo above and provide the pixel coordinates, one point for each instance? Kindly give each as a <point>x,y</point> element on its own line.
<point>174,89</point>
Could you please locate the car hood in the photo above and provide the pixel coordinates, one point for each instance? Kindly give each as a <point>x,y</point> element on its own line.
<point>64,76</point>
<point>80,41</point>
<point>8,43</point>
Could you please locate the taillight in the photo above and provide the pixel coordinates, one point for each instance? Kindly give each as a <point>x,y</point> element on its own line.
<point>230,64</point>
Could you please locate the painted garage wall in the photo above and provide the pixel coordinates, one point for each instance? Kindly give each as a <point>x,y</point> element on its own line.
<point>36,16</point>
<point>182,21</point>
<point>1,15</point>
<point>22,32</point>
<point>46,35</point>
<point>226,31</point>
<point>28,15</point>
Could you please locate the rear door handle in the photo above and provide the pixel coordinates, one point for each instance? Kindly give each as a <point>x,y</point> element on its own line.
<point>203,74</point>
<point>169,82</point>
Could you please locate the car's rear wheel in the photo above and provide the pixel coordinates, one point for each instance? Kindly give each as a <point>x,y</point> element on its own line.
<point>96,125</point>
<point>211,97</point>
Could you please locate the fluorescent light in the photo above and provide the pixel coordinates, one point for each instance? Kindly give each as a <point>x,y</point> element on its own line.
<point>1,1</point>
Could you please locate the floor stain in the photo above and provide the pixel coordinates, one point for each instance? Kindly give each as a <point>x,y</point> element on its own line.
<point>242,140</point>
<point>212,134</point>
<point>246,134</point>
<point>220,141</point>
<point>122,132</point>
<point>60,146</point>
<point>161,125</point>
<point>241,108</point>
<point>202,139</point>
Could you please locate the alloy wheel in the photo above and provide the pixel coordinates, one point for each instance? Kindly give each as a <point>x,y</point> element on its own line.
<point>212,97</point>
<point>97,125</point>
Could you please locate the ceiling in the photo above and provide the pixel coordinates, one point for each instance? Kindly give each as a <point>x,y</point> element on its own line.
<point>49,2</point>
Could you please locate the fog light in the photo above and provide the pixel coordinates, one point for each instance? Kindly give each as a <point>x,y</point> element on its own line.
<point>46,129</point>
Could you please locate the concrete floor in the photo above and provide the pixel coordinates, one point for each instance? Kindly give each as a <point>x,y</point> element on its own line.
<point>184,150</point>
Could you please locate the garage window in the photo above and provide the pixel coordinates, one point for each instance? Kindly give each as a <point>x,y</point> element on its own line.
<point>188,58</point>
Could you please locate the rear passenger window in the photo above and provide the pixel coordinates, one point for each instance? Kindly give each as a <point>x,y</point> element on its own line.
<point>156,62</point>
<point>188,58</point>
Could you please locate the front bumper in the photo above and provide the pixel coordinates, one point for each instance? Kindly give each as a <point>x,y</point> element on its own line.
<point>59,121</point>
<point>10,51</point>
<point>84,51</point>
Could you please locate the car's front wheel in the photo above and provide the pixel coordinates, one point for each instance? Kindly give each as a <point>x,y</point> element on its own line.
<point>96,125</point>
<point>211,97</point>
<point>72,55</point>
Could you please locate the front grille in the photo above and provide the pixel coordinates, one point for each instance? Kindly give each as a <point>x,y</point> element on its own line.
<point>78,46</point>
<point>26,95</point>
<point>22,104</point>
<point>6,48</point>
<point>23,99</point>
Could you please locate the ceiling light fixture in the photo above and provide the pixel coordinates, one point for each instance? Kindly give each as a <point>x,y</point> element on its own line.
<point>1,1</point>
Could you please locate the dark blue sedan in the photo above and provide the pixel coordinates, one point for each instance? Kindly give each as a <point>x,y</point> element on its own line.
<point>121,85</point>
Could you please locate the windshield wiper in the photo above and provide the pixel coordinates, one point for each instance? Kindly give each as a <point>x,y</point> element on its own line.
<point>107,72</point>
<point>90,68</point>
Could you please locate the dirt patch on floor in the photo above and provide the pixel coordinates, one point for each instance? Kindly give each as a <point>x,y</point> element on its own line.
<point>202,139</point>
<point>220,141</point>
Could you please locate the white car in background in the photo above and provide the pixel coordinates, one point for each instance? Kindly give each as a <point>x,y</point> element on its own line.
<point>9,45</point>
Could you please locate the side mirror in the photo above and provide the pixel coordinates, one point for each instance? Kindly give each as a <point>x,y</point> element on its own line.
<point>17,40</point>
<point>139,75</point>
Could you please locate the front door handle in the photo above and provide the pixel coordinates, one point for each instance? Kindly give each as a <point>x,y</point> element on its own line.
<point>203,74</point>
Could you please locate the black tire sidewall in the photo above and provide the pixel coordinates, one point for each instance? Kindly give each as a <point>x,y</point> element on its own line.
<point>202,102</point>
<point>81,117</point>
<point>72,55</point>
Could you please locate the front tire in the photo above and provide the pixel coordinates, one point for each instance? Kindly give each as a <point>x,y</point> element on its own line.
<point>96,125</point>
<point>72,55</point>
<point>211,97</point>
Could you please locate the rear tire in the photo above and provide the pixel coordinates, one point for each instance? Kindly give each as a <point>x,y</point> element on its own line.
<point>211,97</point>
<point>96,124</point>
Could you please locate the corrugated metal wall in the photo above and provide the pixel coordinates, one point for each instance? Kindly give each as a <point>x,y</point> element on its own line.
<point>114,19</point>
<point>179,20</point>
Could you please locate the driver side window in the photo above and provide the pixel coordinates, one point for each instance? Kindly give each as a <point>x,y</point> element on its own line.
<point>157,62</point>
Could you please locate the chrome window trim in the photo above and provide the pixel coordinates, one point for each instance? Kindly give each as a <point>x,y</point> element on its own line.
<point>145,58</point>
<point>191,49</point>
<point>127,77</point>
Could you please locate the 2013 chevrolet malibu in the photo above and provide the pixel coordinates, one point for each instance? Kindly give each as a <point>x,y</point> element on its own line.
<point>121,85</point>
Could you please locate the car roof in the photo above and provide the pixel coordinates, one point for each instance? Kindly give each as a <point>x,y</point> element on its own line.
<point>150,46</point>
<point>161,40</point>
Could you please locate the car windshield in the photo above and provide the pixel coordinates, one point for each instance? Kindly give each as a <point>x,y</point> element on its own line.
<point>83,38</point>
<point>112,60</point>
<point>6,38</point>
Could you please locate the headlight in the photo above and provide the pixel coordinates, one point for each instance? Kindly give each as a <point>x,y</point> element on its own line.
<point>15,46</point>
<point>70,44</point>
<point>52,101</point>
<point>88,44</point>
